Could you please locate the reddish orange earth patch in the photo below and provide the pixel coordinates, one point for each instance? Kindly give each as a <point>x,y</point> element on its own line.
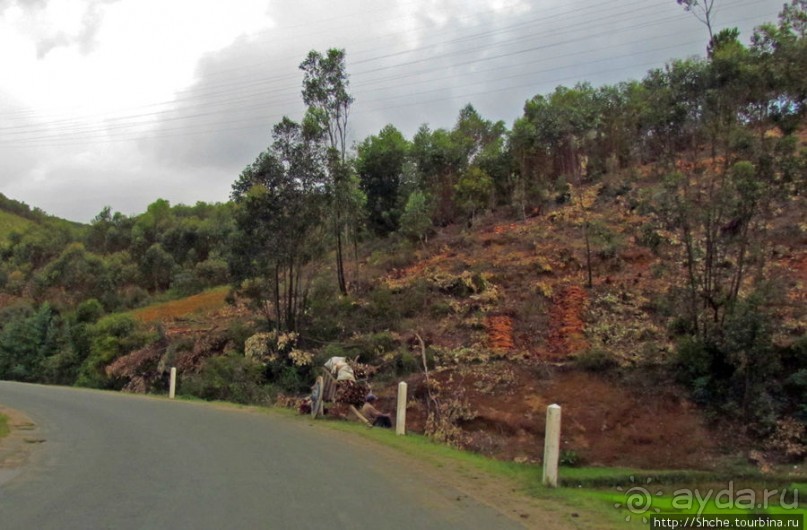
<point>566,324</point>
<point>605,422</point>
<point>202,302</point>
<point>500,333</point>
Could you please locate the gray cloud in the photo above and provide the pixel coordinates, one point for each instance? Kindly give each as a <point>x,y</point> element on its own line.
<point>493,60</point>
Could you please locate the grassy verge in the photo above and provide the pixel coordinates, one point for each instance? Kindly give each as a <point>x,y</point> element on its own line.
<point>609,493</point>
<point>4,429</point>
<point>525,479</point>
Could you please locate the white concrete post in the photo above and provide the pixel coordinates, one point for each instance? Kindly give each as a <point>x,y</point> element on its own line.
<point>172,388</point>
<point>552,446</point>
<point>400,421</point>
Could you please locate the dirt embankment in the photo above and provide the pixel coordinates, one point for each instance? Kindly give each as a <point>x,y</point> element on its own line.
<point>604,423</point>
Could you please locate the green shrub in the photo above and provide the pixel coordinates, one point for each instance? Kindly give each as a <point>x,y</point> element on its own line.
<point>696,359</point>
<point>227,378</point>
<point>134,297</point>
<point>440,309</point>
<point>380,311</point>
<point>27,339</point>
<point>570,458</point>
<point>595,360</point>
<point>89,311</point>
<point>293,380</point>
<point>563,192</point>
<point>111,337</point>
<point>411,301</point>
<point>211,272</point>
<point>185,283</point>
<point>239,331</point>
<point>406,364</point>
<point>329,313</point>
<point>369,347</point>
<point>681,325</point>
<point>614,188</point>
<point>650,238</point>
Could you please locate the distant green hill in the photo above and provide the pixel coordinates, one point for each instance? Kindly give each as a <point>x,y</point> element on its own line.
<point>16,216</point>
<point>10,222</point>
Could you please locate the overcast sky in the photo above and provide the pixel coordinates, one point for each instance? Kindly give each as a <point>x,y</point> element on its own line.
<point>120,102</point>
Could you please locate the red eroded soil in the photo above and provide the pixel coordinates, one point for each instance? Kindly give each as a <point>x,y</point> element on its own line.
<point>566,325</point>
<point>604,423</point>
<point>500,333</point>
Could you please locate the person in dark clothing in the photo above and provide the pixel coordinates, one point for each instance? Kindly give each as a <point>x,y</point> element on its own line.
<point>378,419</point>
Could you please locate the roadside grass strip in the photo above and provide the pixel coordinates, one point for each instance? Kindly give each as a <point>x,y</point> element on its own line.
<point>623,495</point>
<point>619,497</point>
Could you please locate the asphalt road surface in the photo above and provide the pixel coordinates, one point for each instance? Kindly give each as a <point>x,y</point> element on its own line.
<point>103,460</point>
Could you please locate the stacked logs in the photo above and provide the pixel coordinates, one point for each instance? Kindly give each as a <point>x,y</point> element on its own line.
<point>351,392</point>
<point>359,370</point>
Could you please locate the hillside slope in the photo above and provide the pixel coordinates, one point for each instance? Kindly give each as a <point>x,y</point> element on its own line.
<point>511,326</point>
<point>17,217</point>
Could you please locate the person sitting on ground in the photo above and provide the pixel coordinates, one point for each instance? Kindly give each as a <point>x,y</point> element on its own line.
<point>378,419</point>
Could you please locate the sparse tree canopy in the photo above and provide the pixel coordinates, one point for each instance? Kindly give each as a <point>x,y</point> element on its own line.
<point>325,93</point>
<point>279,207</point>
<point>702,9</point>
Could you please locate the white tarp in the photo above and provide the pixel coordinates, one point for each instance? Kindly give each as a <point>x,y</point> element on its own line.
<point>339,368</point>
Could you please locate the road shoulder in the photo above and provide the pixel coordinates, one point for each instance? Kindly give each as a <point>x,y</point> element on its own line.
<point>16,448</point>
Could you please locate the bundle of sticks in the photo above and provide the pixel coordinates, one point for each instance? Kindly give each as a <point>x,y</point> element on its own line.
<point>351,392</point>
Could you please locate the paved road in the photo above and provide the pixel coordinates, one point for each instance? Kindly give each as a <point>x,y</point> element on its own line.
<point>119,462</point>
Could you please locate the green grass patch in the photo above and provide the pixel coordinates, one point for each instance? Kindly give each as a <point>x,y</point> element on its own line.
<point>4,429</point>
<point>606,492</point>
<point>523,477</point>
<point>724,492</point>
<point>10,222</point>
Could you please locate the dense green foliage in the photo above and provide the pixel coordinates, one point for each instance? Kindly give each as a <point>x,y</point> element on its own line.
<point>119,260</point>
<point>61,279</point>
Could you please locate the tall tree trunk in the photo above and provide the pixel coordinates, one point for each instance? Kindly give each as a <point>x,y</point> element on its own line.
<point>340,263</point>
<point>278,311</point>
<point>290,297</point>
<point>588,253</point>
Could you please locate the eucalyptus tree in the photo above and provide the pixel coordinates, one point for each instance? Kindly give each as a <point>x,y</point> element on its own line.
<point>780,51</point>
<point>279,204</point>
<point>442,158</point>
<point>724,171</point>
<point>380,164</point>
<point>486,163</point>
<point>702,9</point>
<point>325,93</point>
<point>439,161</point>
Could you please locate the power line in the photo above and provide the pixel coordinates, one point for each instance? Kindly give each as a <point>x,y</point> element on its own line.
<point>101,133</point>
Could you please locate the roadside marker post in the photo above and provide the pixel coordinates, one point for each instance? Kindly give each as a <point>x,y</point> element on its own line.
<point>400,420</point>
<point>552,446</point>
<point>172,388</point>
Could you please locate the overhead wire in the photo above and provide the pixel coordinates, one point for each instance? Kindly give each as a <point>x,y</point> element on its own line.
<point>193,94</point>
<point>102,132</point>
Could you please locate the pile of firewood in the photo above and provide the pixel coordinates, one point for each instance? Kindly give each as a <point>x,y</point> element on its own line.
<point>359,370</point>
<point>351,392</point>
